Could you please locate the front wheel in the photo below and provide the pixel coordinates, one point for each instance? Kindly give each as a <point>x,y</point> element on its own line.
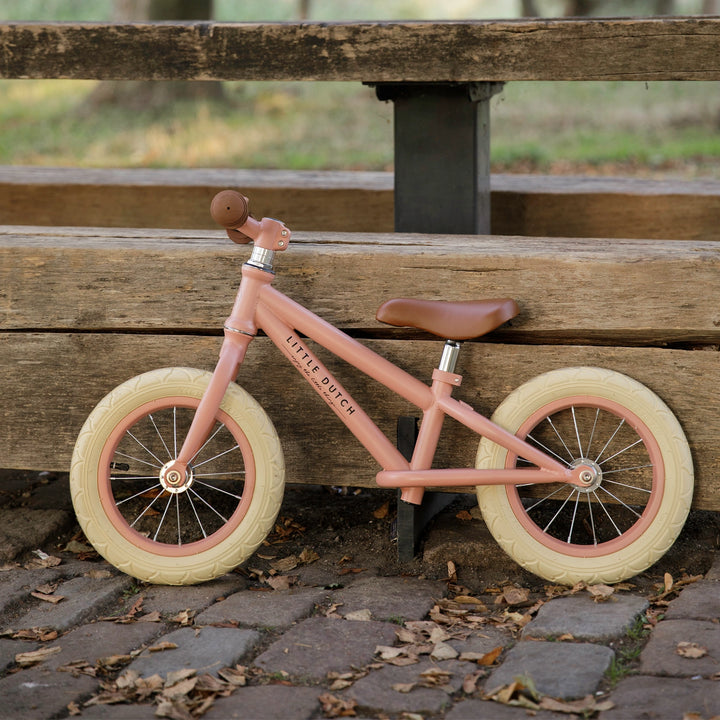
<point>184,534</point>
<point>636,507</point>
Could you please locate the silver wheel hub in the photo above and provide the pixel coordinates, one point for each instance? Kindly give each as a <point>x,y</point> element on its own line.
<point>591,475</point>
<point>174,480</point>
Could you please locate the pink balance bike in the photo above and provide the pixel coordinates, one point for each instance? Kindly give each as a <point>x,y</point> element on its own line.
<point>178,474</point>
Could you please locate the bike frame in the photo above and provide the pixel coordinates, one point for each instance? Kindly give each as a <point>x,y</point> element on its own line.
<point>259,306</point>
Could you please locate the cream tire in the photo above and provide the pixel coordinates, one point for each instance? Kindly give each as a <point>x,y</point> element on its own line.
<point>208,528</point>
<point>661,484</point>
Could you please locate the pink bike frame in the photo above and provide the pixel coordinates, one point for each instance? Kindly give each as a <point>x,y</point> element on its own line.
<point>259,306</point>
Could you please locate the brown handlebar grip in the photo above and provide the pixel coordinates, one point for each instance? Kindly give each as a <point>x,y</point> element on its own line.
<point>230,209</point>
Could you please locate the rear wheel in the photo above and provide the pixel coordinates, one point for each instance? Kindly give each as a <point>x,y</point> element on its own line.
<point>635,508</point>
<point>139,516</point>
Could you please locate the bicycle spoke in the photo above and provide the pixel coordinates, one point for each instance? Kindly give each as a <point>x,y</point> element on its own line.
<point>552,425</point>
<point>220,427</point>
<point>617,429</point>
<point>574,516</point>
<point>203,500</point>
<point>219,455</point>
<point>629,487</point>
<point>235,473</point>
<point>620,452</point>
<point>617,499</point>
<point>159,495</point>
<point>592,432</point>
<point>543,499</point>
<point>197,517</point>
<point>133,477</point>
<point>177,515</point>
<point>592,520</point>
<point>132,457</point>
<point>145,448</point>
<point>577,432</point>
<point>142,492</point>
<point>220,490</point>
<point>546,449</point>
<point>162,519</point>
<point>559,510</point>
<point>602,505</point>
<point>159,434</point>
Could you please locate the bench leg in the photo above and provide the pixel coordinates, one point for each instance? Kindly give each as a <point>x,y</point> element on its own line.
<point>442,156</point>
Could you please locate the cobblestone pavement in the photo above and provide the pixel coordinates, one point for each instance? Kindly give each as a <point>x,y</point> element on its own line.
<point>320,637</point>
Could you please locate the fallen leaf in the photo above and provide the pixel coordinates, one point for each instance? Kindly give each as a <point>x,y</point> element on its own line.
<point>236,676</point>
<point>464,515</point>
<point>153,616</point>
<point>452,572</point>
<point>443,651</point>
<point>586,706</point>
<point>285,564</point>
<point>73,709</point>
<point>403,687</point>
<point>98,574</point>
<point>308,556</point>
<point>36,656</point>
<point>691,650</point>
<point>335,707</point>
<point>600,593</point>
<point>364,615</point>
<point>470,681</point>
<point>162,646</point>
<point>281,582</point>
<point>54,599</point>
<point>38,634</point>
<point>382,511</point>
<point>179,689</point>
<point>76,547</point>
<point>489,658</point>
<point>514,595</point>
<point>184,617</point>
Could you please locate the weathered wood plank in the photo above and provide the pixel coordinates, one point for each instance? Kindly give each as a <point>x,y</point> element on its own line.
<point>574,49</point>
<point>569,290</point>
<point>51,381</point>
<point>532,205</point>
<point>180,198</point>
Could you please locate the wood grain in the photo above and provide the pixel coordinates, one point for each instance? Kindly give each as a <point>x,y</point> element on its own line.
<point>51,381</point>
<point>461,51</point>
<point>532,205</point>
<point>583,291</point>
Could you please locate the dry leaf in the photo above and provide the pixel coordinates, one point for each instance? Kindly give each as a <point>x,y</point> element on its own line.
<point>335,707</point>
<point>236,676</point>
<point>76,547</point>
<point>464,515</point>
<point>600,593</point>
<point>153,616</point>
<point>54,599</point>
<point>586,707</point>
<point>443,651</point>
<point>382,511</point>
<point>403,687</point>
<point>98,574</point>
<point>36,656</point>
<point>489,658</point>
<point>285,564</point>
<point>184,617</point>
<point>470,682</point>
<point>691,650</point>
<point>281,582</point>
<point>160,647</point>
<point>38,634</point>
<point>73,709</point>
<point>364,615</point>
<point>514,596</point>
<point>452,572</point>
<point>308,556</point>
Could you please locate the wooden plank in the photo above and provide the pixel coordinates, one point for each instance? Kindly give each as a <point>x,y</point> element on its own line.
<point>51,381</point>
<point>180,198</point>
<point>532,205</point>
<point>557,206</point>
<point>582,291</point>
<point>460,51</point>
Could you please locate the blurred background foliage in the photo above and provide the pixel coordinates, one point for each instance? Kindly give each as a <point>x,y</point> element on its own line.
<point>652,129</point>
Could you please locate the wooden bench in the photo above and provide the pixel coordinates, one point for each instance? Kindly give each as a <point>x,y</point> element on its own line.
<point>84,308</point>
<point>532,205</point>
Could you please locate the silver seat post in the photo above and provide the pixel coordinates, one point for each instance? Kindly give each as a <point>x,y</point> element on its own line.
<point>449,356</point>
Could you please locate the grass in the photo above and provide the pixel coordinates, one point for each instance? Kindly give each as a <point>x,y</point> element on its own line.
<point>669,128</point>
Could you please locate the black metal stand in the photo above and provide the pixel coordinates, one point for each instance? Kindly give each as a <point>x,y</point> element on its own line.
<point>442,185</point>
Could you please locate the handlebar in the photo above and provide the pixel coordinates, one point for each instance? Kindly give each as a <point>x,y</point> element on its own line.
<point>231,210</point>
